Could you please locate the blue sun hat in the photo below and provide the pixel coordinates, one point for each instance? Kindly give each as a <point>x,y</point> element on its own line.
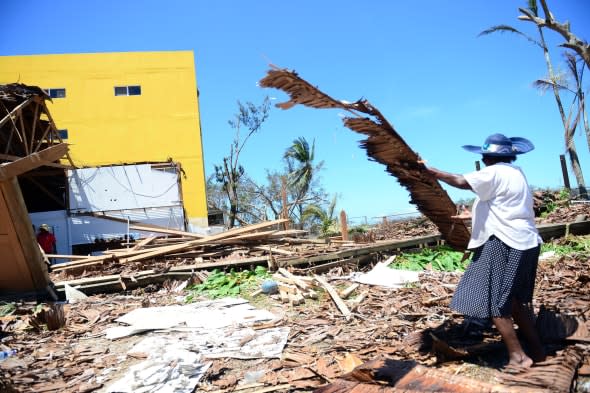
<point>499,145</point>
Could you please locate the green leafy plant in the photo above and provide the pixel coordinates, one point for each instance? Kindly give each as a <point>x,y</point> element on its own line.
<point>573,246</point>
<point>7,309</point>
<point>441,258</point>
<point>221,284</point>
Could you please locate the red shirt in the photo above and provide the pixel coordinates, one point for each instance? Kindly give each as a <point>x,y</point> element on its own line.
<point>46,241</point>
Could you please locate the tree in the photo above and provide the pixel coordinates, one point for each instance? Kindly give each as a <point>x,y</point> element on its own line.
<point>582,48</point>
<point>321,217</point>
<point>231,172</point>
<point>299,159</point>
<point>569,125</point>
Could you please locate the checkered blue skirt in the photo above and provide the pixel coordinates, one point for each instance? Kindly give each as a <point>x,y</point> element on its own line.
<point>497,273</point>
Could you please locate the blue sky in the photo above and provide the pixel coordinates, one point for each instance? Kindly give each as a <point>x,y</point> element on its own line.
<point>420,63</point>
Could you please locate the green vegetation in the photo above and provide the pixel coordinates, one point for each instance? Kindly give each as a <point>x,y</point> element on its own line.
<point>441,258</point>
<point>358,230</point>
<point>7,309</point>
<point>221,284</point>
<point>322,220</point>
<point>575,246</point>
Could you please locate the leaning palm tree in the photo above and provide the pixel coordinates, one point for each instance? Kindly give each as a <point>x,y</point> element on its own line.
<point>317,215</point>
<point>553,79</point>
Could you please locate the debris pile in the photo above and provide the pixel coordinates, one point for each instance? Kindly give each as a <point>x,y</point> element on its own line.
<point>336,337</point>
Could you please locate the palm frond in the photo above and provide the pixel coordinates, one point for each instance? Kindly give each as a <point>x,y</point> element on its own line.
<point>546,84</point>
<point>509,29</point>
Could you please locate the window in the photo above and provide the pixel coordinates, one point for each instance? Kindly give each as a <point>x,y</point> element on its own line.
<point>128,90</point>
<point>56,92</point>
<point>63,134</point>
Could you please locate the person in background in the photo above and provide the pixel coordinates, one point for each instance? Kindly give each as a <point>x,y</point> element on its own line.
<point>46,239</point>
<point>499,281</point>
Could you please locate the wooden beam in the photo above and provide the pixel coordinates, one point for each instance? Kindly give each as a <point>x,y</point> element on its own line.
<point>23,130</point>
<point>205,240</point>
<point>54,129</point>
<point>138,255</point>
<point>32,161</point>
<point>149,228</point>
<point>23,238</point>
<point>35,118</point>
<point>143,243</point>
<point>10,115</point>
<point>9,157</point>
<point>334,294</point>
<point>47,129</point>
<point>377,247</point>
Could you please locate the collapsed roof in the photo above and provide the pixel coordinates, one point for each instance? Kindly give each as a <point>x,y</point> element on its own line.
<point>28,141</point>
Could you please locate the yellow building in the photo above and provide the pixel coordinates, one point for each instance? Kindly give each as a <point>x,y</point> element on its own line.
<point>121,108</point>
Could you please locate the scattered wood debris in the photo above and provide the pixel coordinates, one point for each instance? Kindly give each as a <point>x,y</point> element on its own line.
<point>409,329</point>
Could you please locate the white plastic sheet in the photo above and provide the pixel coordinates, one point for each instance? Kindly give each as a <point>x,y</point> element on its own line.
<point>386,277</point>
<point>185,334</point>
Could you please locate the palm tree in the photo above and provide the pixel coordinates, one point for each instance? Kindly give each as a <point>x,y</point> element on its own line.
<point>569,126</point>
<point>300,153</point>
<point>299,157</point>
<point>328,223</point>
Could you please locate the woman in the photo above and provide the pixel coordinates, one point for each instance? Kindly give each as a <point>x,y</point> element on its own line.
<point>500,279</point>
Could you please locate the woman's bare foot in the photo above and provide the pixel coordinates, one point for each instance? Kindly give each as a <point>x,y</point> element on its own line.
<point>520,361</point>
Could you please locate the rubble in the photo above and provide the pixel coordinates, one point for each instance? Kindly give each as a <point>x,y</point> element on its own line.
<point>344,328</point>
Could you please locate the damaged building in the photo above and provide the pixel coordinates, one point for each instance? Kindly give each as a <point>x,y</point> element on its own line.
<point>131,121</point>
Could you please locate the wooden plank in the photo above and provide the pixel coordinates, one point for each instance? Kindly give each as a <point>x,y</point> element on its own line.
<point>550,231</point>
<point>245,237</point>
<point>58,256</point>
<point>347,291</point>
<point>205,240</point>
<point>54,129</point>
<point>143,243</point>
<point>235,262</point>
<point>23,130</point>
<point>298,281</point>
<point>87,261</point>
<point>377,247</point>
<point>26,252</point>
<point>34,126</point>
<point>273,250</point>
<point>150,228</point>
<point>9,157</point>
<point>334,294</point>
<point>32,161</point>
<point>15,111</point>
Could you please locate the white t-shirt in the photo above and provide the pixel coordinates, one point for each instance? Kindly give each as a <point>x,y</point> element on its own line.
<point>503,207</point>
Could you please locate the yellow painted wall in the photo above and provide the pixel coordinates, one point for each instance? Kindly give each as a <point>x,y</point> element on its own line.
<point>163,122</point>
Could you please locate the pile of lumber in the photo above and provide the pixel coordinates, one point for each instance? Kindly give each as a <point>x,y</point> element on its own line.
<point>179,245</point>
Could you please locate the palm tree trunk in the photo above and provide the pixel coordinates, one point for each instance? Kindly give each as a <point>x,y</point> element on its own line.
<point>569,137</point>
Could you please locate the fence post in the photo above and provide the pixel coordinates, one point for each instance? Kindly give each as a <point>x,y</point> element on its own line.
<point>343,225</point>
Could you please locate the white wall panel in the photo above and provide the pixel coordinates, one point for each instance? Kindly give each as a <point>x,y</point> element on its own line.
<point>121,187</point>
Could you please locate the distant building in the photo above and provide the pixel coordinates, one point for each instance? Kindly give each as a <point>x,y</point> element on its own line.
<point>123,108</point>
